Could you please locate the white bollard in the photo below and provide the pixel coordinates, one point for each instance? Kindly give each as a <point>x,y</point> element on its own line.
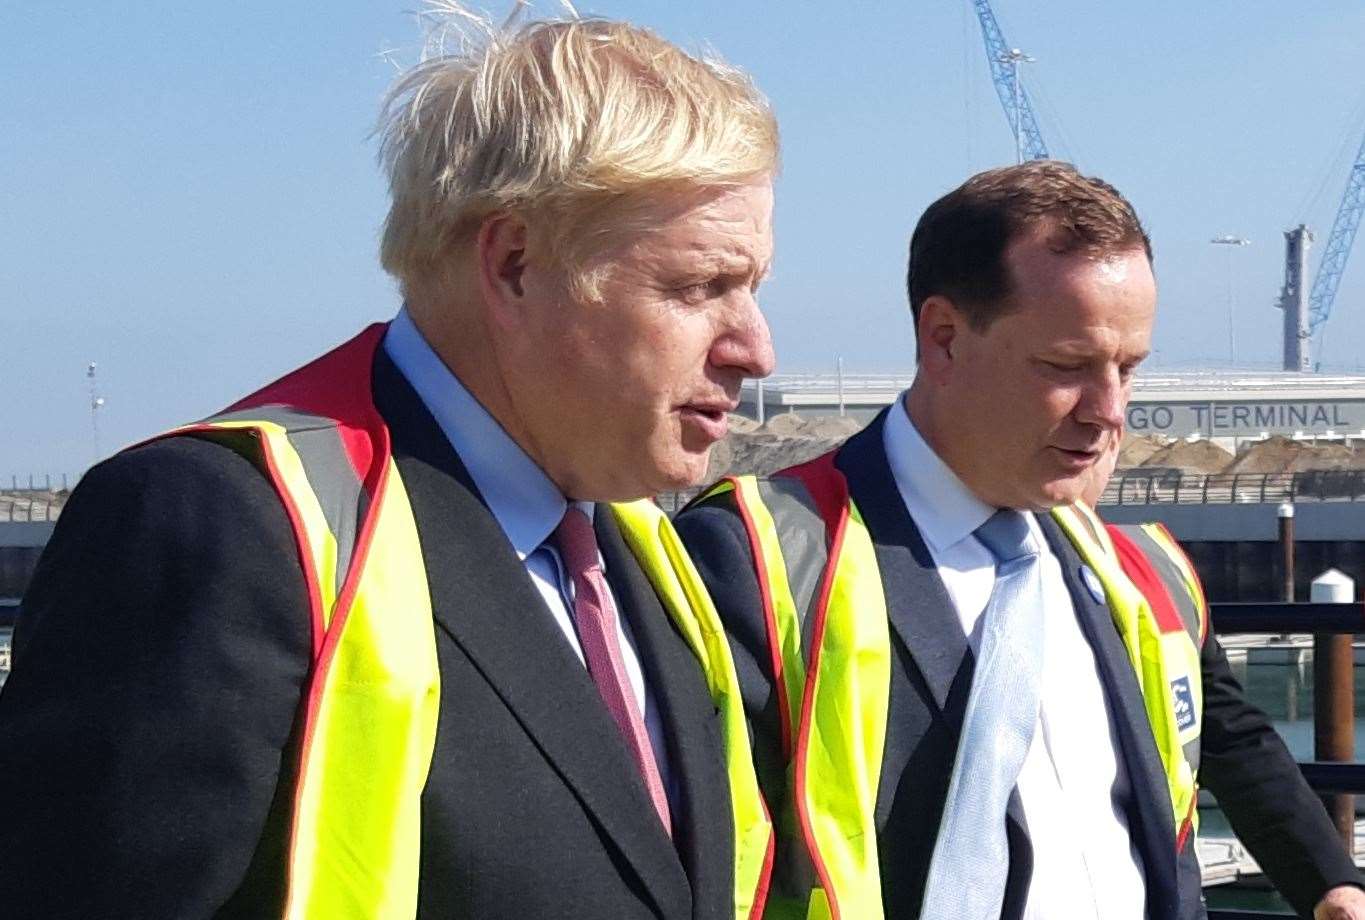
<point>1332,587</point>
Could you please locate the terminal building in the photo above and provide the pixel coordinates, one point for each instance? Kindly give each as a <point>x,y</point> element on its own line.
<point>1227,407</point>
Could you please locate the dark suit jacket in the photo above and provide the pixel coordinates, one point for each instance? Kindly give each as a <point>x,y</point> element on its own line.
<point>148,730</point>
<point>1244,762</point>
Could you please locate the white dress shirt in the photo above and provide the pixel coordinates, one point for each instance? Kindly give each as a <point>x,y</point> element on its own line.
<point>1073,786</point>
<point>527,505</point>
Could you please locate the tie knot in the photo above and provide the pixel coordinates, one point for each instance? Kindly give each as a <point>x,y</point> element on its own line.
<point>576,542</point>
<point>1007,535</point>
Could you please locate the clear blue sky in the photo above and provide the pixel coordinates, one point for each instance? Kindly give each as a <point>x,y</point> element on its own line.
<point>189,196</point>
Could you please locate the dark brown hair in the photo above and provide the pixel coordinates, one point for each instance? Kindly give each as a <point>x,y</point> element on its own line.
<point>959,245</point>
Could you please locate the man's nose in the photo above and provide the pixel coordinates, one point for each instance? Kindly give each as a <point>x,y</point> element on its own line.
<point>1104,402</point>
<point>748,345</point>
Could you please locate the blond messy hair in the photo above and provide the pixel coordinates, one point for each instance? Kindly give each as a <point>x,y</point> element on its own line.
<point>566,123</point>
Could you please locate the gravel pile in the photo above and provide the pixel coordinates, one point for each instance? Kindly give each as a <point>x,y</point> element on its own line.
<point>791,425</point>
<point>1137,448</point>
<point>1330,457</point>
<point>1190,457</point>
<point>1273,455</point>
<point>1284,455</point>
<point>785,440</point>
<point>740,424</point>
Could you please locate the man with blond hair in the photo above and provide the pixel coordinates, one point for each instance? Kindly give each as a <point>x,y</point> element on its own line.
<point>392,637</point>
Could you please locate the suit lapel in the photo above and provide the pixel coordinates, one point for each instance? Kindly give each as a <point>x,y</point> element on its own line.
<point>923,620</point>
<point>702,821</point>
<point>921,613</point>
<point>1152,824</point>
<point>483,599</point>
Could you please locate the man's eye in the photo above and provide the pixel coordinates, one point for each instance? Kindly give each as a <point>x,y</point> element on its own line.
<point>1063,366</point>
<point>702,290</point>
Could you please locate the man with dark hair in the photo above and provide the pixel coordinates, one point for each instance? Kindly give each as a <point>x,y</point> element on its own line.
<point>958,248</point>
<point>961,706</point>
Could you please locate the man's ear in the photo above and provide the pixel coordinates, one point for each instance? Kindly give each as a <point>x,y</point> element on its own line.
<point>937,332</point>
<point>501,255</point>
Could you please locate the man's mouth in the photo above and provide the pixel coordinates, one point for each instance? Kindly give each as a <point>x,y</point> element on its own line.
<point>1079,456</point>
<point>711,418</point>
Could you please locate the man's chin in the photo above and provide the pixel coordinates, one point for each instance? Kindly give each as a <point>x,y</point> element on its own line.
<point>689,471</point>
<point>1062,491</point>
<point>678,471</point>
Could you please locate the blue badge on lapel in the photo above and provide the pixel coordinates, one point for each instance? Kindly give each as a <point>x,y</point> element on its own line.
<point>1092,583</point>
<point>1184,703</point>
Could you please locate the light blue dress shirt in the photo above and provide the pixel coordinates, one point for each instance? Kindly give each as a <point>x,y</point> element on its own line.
<point>1073,766</point>
<point>526,504</point>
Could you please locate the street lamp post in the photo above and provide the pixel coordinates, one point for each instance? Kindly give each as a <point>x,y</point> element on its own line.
<point>96,403</point>
<point>1238,242</point>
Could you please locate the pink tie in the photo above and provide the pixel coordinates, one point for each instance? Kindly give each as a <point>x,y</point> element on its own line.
<point>595,615</point>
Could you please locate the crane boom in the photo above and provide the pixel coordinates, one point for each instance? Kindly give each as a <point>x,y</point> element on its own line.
<point>1004,64</point>
<point>1338,248</point>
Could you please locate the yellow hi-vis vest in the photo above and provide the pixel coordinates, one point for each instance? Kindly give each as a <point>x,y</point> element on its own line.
<point>830,655</point>
<point>1171,634</point>
<point>371,698</point>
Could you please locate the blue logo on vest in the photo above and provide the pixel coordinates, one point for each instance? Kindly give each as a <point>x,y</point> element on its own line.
<point>1184,703</point>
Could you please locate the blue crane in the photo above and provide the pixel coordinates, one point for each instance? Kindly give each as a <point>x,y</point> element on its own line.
<point>1005,62</point>
<point>1338,246</point>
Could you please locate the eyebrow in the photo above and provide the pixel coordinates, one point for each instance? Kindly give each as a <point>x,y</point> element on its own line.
<point>735,262</point>
<point>1081,352</point>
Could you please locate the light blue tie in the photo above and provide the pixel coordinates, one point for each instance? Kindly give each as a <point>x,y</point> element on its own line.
<point>971,858</point>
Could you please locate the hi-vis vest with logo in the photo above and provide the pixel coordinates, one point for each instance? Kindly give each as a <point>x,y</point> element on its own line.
<point>373,691</point>
<point>830,654</point>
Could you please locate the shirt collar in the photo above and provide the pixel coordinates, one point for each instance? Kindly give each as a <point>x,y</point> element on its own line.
<point>526,504</point>
<point>943,508</point>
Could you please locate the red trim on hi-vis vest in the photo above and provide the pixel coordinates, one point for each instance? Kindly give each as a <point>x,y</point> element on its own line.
<point>1186,826</point>
<point>319,628</point>
<point>766,878</point>
<point>323,663</point>
<point>769,617</point>
<point>347,394</point>
<point>338,386</point>
<point>1198,585</point>
<point>1137,567</point>
<point>291,511</point>
<point>829,489</point>
<point>310,575</point>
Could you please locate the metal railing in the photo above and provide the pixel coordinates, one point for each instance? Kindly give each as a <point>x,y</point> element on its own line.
<point>1172,486</point>
<point>25,509</point>
<point>34,498</point>
<point>1280,619</point>
<point>45,482</point>
<point>9,606</point>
